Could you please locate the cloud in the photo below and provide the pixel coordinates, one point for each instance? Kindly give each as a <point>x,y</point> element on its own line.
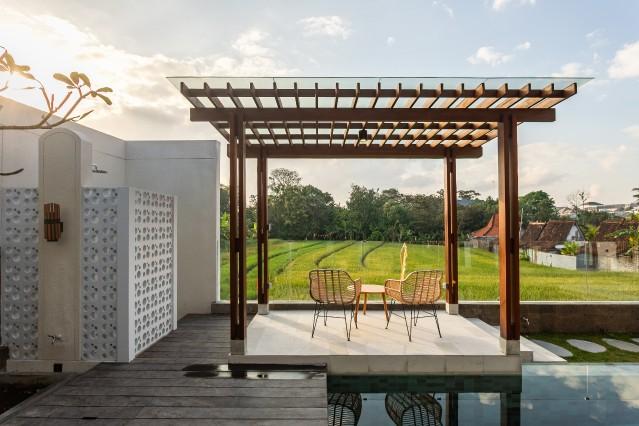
<point>390,40</point>
<point>331,26</point>
<point>632,131</point>
<point>596,39</point>
<point>249,43</point>
<point>449,10</point>
<point>626,62</point>
<point>573,69</point>
<point>145,105</point>
<point>501,4</point>
<point>488,55</point>
<point>523,46</point>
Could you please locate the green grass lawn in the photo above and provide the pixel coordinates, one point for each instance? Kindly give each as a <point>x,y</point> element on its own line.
<point>612,354</point>
<point>373,262</point>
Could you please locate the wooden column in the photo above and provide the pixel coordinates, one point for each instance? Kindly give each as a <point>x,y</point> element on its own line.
<point>450,234</point>
<point>262,234</point>
<point>508,236</point>
<point>237,263</point>
<point>452,409</point>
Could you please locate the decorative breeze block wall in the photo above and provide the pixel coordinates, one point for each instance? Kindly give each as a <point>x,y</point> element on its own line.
<point>128,271</point>
<point>99,265</point>
<point>153,266</point>
<point>19,231</point>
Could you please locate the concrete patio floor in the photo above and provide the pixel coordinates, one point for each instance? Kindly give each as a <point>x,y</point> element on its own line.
<point>284,337</point>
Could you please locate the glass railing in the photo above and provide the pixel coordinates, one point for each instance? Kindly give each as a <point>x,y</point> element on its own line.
<point>592,274</point>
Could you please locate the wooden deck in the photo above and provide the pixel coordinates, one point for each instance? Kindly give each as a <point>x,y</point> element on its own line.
<point>183,380</point>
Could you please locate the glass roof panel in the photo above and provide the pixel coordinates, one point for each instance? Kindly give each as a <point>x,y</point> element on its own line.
<point>194,82</point>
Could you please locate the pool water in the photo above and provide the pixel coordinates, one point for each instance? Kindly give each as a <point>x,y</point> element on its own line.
<point>545,394</point>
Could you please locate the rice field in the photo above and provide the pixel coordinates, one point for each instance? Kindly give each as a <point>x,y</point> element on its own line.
<point>374,261</point>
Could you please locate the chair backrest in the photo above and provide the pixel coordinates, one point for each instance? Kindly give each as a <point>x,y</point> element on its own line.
<point>331,286</point>
<point>422,287</point>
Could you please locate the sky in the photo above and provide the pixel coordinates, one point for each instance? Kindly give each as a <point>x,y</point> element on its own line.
<point>132,46</point>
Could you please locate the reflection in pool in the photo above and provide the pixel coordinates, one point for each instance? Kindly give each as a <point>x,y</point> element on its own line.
<point>545,394</point>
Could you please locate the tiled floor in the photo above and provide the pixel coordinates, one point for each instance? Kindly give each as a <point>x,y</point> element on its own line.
<point>285,337</point>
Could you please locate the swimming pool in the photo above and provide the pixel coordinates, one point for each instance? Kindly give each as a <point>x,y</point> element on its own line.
<point>545,394</point>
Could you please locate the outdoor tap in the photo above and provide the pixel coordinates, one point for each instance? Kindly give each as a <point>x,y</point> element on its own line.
<point>55,338</point>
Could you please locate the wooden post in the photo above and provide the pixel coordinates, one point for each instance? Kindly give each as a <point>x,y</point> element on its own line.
<point>237,263</point>
<point>450,233</point>
<point>262,235</point>
<point>510,408</point>
<point>509,322</point>
<point>452,409</point>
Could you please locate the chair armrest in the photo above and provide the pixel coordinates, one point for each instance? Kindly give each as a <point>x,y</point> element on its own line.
<point>393,284</point>
<point>358,286</point>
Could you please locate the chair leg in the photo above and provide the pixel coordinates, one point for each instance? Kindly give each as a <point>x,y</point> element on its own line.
<point>437,321</point>
<point>409,325</point>
<point>390,312</point>
<point>325,314</point>
<point>416,315</point>
<point>348,325</point>
<point>316,314</point>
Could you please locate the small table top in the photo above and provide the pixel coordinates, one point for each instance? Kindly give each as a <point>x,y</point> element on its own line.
<point>372,288</point>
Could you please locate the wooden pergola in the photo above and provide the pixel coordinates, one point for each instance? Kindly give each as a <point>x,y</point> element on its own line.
<point>429,118</point>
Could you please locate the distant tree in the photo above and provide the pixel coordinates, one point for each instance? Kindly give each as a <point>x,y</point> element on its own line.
<point>635,193</point>
<point>56,112</point>
<point>469,194</point>
<point>365,207</point>
<point>225,229</point>
<point>224,199</point>
<point>475,215</point>
<point>632,234</point>
<point>537,206</point>
<point>282,179</point>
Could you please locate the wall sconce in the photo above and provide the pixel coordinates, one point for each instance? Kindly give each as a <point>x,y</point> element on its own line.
<point>52,224</point>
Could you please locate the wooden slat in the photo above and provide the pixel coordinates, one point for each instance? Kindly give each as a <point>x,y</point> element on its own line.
<point>258,104</point>
<point>238,104</point>
<point>374,114</point>
<point>284,121</point>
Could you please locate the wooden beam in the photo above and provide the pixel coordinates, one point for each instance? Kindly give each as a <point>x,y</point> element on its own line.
<point>241,252</point>
<point>450,232</point>
<point>351,151</point>
<point>233,237</point>
<point>262,230</point>
<point>373,114</point>
<point>509,321</point>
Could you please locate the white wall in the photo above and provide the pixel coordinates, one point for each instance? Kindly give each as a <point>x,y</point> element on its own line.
<point>553,259</point>
<point>186,169</point>
<point>190,171</point>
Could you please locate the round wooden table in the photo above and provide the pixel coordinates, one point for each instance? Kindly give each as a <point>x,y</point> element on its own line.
<point>371,289</point>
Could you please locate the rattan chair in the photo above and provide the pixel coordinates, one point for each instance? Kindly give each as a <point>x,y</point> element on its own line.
<point>413,409</point>
<point>333,287</point>
<point>417,292</point>
<point>344,409</point>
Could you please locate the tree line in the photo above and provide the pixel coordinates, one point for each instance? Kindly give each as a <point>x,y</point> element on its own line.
<point>298,211</point>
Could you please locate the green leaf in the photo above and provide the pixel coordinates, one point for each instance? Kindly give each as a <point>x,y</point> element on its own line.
<point>84,115</point>
<point>104,89</point>
<point>75,77</point>
<point>63,78</point>
<point>85,79</point>
<point>105,99</point>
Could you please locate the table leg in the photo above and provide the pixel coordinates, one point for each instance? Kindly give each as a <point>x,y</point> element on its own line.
<point>365,301</point>
<point>357,308</point>
<point>385,306</point>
